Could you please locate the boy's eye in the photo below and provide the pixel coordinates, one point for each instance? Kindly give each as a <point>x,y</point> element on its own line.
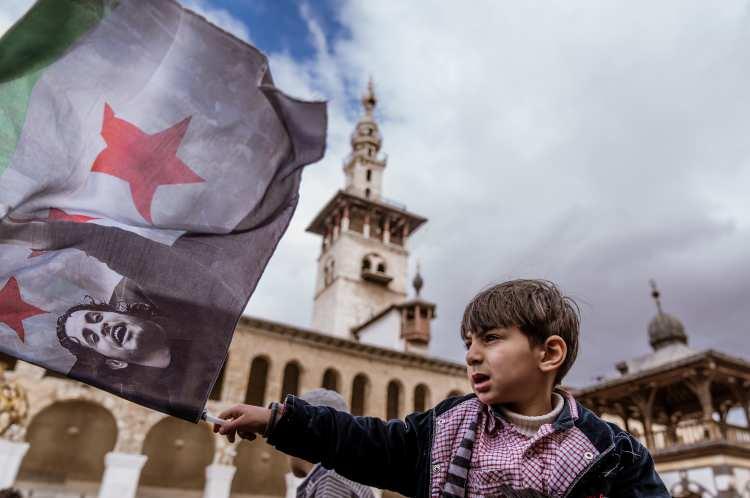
<point>491,337</point>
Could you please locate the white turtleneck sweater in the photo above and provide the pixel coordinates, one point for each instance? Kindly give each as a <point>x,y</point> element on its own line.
<point>530,425</point>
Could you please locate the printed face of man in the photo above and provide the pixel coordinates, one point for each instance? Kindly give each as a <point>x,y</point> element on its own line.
<point>121,337</point>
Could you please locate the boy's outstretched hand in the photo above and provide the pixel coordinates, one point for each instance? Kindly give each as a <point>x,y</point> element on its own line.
<point>244,420</point>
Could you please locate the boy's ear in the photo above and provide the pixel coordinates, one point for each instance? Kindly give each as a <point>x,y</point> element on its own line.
<point>554,350</point>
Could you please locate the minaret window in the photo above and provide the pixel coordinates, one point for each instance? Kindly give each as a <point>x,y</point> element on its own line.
<point>369,175</point>
<point>328,272</point>
<point>367,193</point>
<point>374,269</point>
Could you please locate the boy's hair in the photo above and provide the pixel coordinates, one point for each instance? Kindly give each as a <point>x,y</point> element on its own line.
<point>536,307</point>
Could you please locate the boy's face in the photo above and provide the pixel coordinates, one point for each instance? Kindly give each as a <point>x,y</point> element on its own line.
<point>502,366</point>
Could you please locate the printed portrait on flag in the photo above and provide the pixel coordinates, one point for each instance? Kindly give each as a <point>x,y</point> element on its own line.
<point>140,204</point>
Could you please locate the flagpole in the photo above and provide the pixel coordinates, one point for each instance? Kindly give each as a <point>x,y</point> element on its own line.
<point>211,419</point>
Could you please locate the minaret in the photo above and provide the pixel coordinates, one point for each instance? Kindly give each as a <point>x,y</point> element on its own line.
<point>363,262</point>
<point>363,168</point>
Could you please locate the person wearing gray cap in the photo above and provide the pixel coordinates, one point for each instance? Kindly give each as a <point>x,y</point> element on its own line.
<point>320,481</point>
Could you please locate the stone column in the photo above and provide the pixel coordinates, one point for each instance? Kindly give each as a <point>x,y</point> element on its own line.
<point>345,219</point>
<point>702,389</point>
<point>366,227</point>
<point>121,474</point>
<point>274,380</point>
<point>219,480</point>
<point>345,388</point>
<point>387,231</point>
<point>645,403</point>
<point>11,454</point>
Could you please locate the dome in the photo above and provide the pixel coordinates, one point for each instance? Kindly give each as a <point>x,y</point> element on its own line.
<point>665,329</point>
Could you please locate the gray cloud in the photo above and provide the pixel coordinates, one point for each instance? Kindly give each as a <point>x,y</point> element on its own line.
<point>597,144</point>
<point>592,143</point>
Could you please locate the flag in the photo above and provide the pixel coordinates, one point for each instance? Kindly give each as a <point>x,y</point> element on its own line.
<point>148,169</point>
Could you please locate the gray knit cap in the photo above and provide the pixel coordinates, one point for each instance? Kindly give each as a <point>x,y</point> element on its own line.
<point>325,397</point>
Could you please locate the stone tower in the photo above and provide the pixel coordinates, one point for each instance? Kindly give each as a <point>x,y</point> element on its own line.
<point>363,263</point>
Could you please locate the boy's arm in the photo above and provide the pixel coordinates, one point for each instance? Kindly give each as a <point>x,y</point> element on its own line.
<point>364,449</point>
<point>638,477</point>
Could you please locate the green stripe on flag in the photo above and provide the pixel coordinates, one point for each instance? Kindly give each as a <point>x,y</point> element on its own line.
<point>47,30</point>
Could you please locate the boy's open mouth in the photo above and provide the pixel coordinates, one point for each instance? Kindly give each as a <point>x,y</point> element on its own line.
<point>481,381</point>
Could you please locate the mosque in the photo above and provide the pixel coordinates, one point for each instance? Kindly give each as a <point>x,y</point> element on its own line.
<point>369,341</point>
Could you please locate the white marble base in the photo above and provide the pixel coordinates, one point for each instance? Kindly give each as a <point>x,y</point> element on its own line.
<point>219,480</point>
<point>11,454</point>
<point>121,474</point>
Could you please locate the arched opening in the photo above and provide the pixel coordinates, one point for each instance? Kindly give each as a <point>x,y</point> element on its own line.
<point>256,385</point>
<point>331,380</point>
<point>260,470</point>
<point>369,175</point>
<point>421,398</point>
<point>367,193</point>
<point>381,267</point>
<point>393,400</point>
<point>218,385</point>
<point>360,390</point>
<point>7,361</point>
<point>178,453</point>
<point>68,443</point>
<point>366,263</point>
<point>290,382</point>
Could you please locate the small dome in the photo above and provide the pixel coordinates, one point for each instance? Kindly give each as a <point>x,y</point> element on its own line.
<point>665,329</point>
<point>418,283</point>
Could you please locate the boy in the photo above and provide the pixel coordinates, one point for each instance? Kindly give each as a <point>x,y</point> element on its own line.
<point>515,430</point>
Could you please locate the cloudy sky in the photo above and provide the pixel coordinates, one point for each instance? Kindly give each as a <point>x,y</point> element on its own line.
<point>594,143</point>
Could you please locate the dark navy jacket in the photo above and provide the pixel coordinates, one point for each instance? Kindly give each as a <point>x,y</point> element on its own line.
<point>398,455</point>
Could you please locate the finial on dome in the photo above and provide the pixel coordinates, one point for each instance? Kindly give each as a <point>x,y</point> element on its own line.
<point>418,282</point>
<point>369,101</point>
<point>664,329</point>
<point>655,294</point>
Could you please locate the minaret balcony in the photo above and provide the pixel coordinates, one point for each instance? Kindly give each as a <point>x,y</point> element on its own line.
<point>376,277</point>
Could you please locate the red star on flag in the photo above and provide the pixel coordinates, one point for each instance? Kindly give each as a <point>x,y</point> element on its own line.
<point>60,215</point>
<point>144,161</point>
<point>57,215</point>
<point>13,309</point>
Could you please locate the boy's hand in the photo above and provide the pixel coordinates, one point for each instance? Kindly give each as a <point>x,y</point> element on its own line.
<point>245,420</point>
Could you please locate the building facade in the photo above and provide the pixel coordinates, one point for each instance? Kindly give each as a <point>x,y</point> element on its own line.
<point>368,341</point>
<point>690,408</point>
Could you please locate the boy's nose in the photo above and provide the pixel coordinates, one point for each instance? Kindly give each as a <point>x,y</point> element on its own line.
<point>473,355</point>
